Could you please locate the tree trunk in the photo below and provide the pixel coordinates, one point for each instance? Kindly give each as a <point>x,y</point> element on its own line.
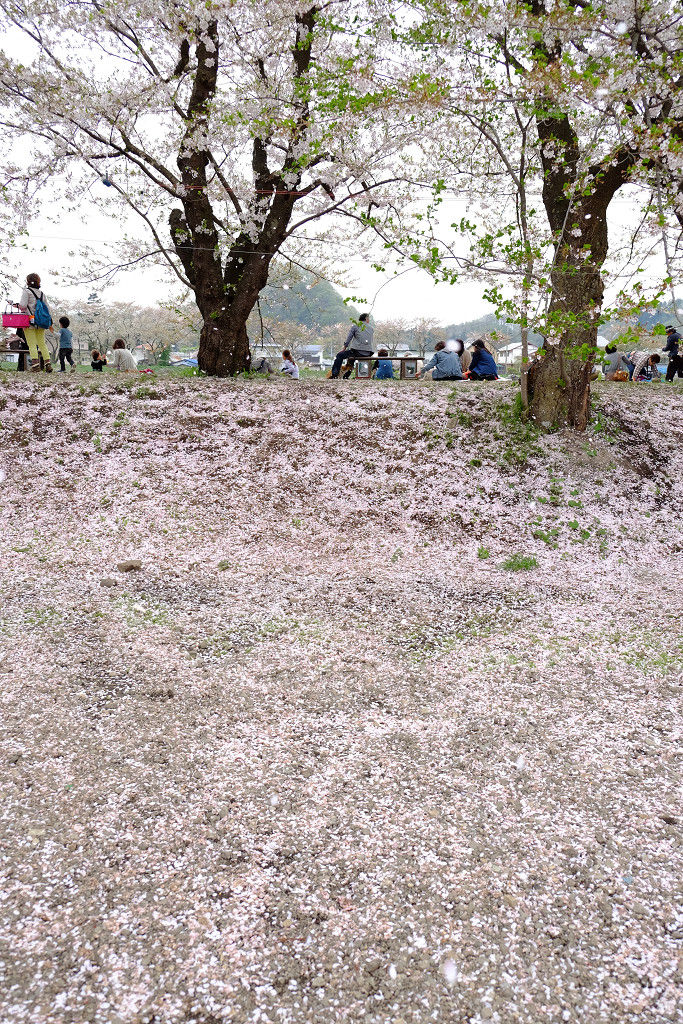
<point>560,390</point>
<point>224,347</point>
<point>576,203</point>
<point>559,384</point>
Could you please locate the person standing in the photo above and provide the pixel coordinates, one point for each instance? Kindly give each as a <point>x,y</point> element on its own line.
<point>358,345</point>
<point>34,303</point>
<point>444,365</point>
<point>66,345</point>
<point>673,347</point>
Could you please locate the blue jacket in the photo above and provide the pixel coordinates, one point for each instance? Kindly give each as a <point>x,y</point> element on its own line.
<point>483,363</point>
<point>385,370</point>
<point>445,364</point>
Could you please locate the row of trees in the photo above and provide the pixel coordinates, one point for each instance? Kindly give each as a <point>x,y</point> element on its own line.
<point>237,133</point>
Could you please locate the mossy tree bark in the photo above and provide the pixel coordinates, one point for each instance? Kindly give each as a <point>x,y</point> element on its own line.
<point>576,198</point>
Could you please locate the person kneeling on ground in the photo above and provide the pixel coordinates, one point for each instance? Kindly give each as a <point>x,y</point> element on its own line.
<point>288,365</point>
<point>645,365</point>
<point>383,368</point>
<point>98,360</point>
<point>122,359</point>
<point>358,345</point>
<point>445,365</point>
<point>483,365</point>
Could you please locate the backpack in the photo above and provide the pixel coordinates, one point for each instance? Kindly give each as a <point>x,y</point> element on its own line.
<point>42,316</point>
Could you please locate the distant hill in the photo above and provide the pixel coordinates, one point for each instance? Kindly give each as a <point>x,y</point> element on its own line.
<point>309,301</point>
<point>489,324</point>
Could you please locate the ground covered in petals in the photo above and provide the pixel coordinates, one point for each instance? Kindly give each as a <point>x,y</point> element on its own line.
<point>384,727</point>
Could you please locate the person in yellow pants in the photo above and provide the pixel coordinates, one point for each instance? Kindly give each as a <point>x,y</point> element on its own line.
<point>35,336</point>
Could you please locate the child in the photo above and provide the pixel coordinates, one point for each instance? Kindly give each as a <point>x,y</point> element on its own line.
<point>288,365</point>
<point>123,360</point>
<point>383,369</point>
<point>65,345</point>
<point>98,360</point>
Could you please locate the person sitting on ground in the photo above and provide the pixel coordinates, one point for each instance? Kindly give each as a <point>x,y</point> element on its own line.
<point>288,365</point>
<point>383,368</point>
<point>443,364</point>
<point>98,360</point>
<point>464,356</point>
<point>262,366</point>
<point>66,345</point>
<point>122,359</point>
<point>645,365</point>
<point>616,366</point>
<point>483,365</point>
<point>358,345</point>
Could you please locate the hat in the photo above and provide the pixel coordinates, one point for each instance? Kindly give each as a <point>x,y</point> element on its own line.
<point>670,328</point>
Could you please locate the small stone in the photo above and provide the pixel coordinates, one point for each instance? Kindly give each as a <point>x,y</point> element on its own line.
<point>129,565</point>
<point>670,819</point>
<point>109,582</point>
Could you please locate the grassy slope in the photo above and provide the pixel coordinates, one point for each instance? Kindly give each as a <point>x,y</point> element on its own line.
<point>318,747</point>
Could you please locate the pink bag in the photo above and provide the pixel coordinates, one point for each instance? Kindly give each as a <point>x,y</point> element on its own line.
<point>15,319</point>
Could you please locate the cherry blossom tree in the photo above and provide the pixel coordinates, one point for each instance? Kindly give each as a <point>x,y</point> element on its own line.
<point>556,105</point>
<point>228,128</point>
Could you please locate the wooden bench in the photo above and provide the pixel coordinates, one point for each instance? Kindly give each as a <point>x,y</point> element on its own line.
<point>408,369</point>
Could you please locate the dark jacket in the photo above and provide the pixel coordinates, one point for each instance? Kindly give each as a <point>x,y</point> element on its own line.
<point>673,342</point>
<point>483,363</point>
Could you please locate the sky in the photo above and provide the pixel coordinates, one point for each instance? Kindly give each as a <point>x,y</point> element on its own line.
<point>409,295</point>
<point>55,238</point>
<point>52,250</point>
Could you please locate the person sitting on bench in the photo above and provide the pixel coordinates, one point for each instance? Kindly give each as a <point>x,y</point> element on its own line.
<point>483,365</point>
<point>444,365</point>
<point>358,345</point>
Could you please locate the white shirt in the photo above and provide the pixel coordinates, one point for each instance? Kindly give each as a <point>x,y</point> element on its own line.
<point>28,299</point>
<point>122,359</point>
<point>291,368</point>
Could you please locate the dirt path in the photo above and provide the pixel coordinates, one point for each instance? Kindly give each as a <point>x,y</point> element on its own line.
<point>339,750</point>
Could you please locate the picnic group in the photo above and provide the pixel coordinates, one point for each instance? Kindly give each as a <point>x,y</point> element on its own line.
<point>29,324</point>
<point>451,360</point>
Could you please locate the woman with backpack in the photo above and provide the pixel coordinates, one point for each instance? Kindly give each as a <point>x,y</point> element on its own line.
<point>34,303</point>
